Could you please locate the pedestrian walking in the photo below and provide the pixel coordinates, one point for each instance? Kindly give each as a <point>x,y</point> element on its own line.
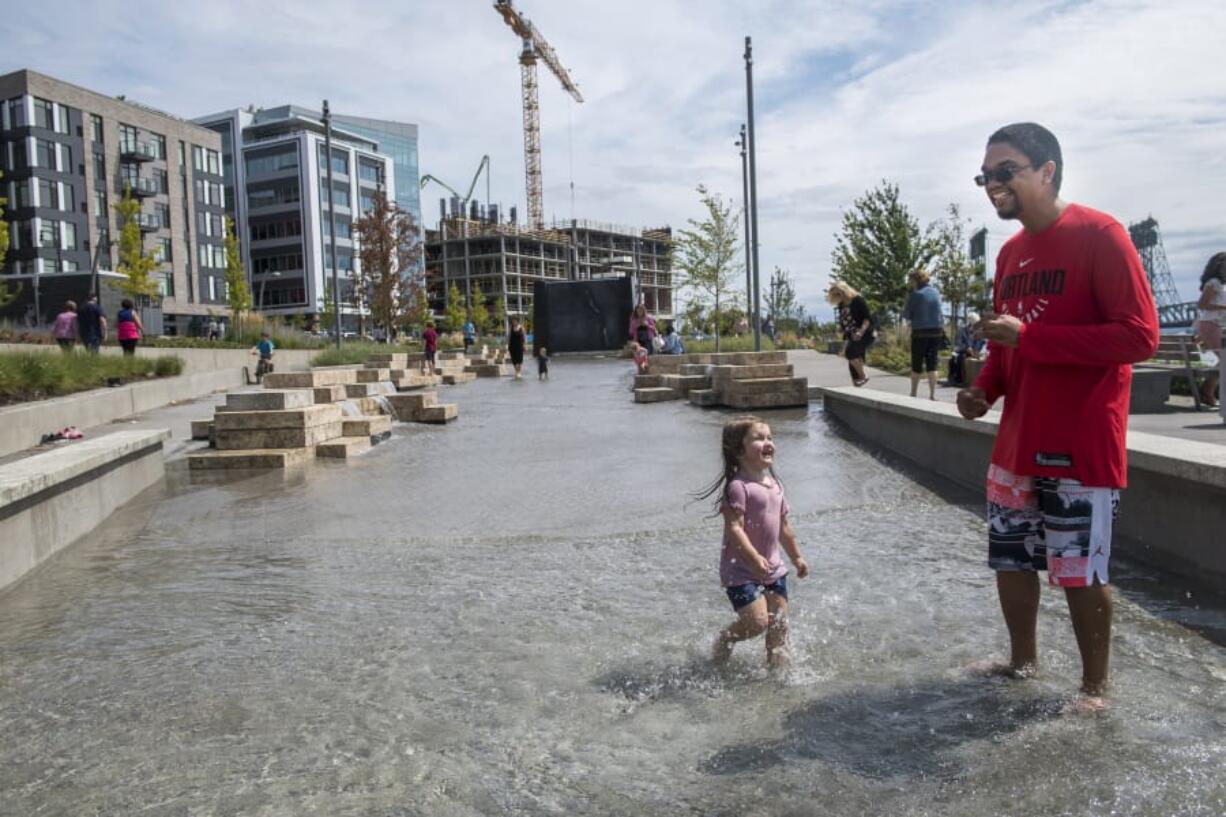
<point>856,321</point>
<point>91,324</point>
<point>470,334</point>
<point>1072,309</point>
<point>429,340</point>
<point>516,340</point>
<point>128,328</point>
<point>642,327</point>
<point>66,328</point>
<point>923,312</point>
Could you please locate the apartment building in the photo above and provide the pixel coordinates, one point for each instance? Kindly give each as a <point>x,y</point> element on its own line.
<point>68,154</point>
<point>274,161</point>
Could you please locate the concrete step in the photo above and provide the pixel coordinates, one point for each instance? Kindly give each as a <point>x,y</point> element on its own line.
<point>648,381</point>
<point>309,380</point>
<point>416,381</point>
<point>485,369</point>
<point>455,378</point>
<point>329,394</point>
<point>269,400</point>
<point>202,429</point>
<point>694,368</point>
<point>373,375</point>
<point>722,374</point>
<point>656,394</point>
<point>444,413</point>
<point>408,405</point>
<point>784,392</point>
<point>278,437</point>
<point>704,397</point>
<point>362,390</point>
<point>343,447</point>
<point>312,415</point>
<point>257,458</point>
<point>761,385</point>
<point>378,427</point>
<point>684,383</point>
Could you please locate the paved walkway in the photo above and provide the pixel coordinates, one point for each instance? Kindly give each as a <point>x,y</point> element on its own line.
<point>1179,420</point>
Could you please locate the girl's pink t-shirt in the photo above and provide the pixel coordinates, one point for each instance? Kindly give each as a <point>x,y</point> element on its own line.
<point>65,326</point>
<point>764,507</point>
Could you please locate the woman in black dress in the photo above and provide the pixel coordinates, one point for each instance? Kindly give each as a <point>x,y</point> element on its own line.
<point>515,347</point>
<point>856,321</point>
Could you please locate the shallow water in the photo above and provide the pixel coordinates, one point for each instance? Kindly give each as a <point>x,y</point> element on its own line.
<point>510,615</point>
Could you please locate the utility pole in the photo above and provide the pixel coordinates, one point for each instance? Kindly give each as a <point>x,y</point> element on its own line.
<point>336,272</point>
<point>753,191</point>
<point>748,239</point>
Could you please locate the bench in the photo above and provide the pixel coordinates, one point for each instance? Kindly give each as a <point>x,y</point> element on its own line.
<point>1179,354</point>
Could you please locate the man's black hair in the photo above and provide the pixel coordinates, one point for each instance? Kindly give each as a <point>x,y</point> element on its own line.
<point>1037,142</point>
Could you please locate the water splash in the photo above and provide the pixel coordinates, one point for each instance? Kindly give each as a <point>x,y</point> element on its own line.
<point>349,408</point>
<point>385,405</point>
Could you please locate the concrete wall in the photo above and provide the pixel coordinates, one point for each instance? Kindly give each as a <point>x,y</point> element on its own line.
<point>195,360</point>
<point>49,500</point>
<point>1172,515</point>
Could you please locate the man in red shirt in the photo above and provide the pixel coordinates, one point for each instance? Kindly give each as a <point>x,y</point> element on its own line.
<point>430,340</point>
<point>1072,311</point>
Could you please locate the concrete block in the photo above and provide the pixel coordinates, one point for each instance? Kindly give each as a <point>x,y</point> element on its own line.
<point>377,426</point>
<point>407,405</point>
<point>310,380</point>
<point>443,413</point>
<point>485,369</point>
<point>202,429</point>
<point>455,378</point>
<point>693,368</point>
<point>329,394</point>
<point>259,458</point>
<point>656,395</point>
<point>648,381</point>
<point>722,374</point>
<point>278,437</point>
<point>704,397</point>
<point>410,381</point>
<point>270,400</point>
<point>392,360</point>
<point>362,390</point>
<point>312,415</point>
<point>343,447</point>
<point>373,375</point>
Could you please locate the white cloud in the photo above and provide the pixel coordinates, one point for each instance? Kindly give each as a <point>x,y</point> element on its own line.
<point>846,96</point>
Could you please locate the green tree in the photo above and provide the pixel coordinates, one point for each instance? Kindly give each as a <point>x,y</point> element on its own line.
<point>457,311</point>
<point>419,309</point>
<point>694,316</point>
<point>327,311</point>
<point>135,264</point>
<point>7,294</point>
<point>781,303</point>
<point>498,315</point>
<point>880,244</point>
<point>955,275</point>
<point>238,294</point>
<point>705,256</point>
<point>390,246</point>
<point>480,315</point>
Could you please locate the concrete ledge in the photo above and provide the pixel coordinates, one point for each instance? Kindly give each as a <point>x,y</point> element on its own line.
<point>1171,514</point>
<point>49,500</point>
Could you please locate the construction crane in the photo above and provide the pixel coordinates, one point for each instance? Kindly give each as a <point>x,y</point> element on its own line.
<point>483,166</point>
<point>534,48</point>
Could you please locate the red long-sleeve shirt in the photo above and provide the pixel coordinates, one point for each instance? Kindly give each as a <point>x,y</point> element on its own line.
<point>1087,313</point>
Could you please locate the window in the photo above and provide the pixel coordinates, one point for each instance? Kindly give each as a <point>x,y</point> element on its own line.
<point>215,197</point>
<point>44,154</point>
<point>70,236</point>
<point>95,127</point>
<point>213,162</point>
<point>163,213</point>
<point>212,286</point>
<point>19,155</point>
<point>44,114</point>
<point>68,198</point>
<point>366,200</point>
<point>128,175</point>
<point>340,196</point>
<point>272,163</point>
<point>21,194</point>
<point>157,145</point>
<point>370,171</point>
<point>63,119</point>
<point>68,265</point>
<point>273,197</point>
<point>285,262</point>
<point>340,161</point>
<point>48,193</point>
<point>17,112</point>
<point>161,180</point>
<point>99,169</point>
<point>100,208</point>
<point>198,158</point>
<point>166,285</point>
<point>162,252</point>
<point>48,233</point>
<point>66,154</point>
<point>199,185</point>
<point>127,137</point>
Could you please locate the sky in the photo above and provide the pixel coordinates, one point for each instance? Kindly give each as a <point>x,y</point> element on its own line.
<point>847,94</point>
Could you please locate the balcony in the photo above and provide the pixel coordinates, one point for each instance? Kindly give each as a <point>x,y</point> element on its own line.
<point>149,222</point>
<point>133,151</point>
<point>141,188</point>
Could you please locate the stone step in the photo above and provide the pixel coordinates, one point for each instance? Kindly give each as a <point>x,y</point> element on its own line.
<point>684,383</point>
<point>704,397</point>
<point>451,354</point>
<point>378,427</point>
<point>343,447</point>
<point>278,437</point>
<point>455,378</point>
<point>694,368</point>
<point>416,381</point>
<point>648,381</point>
<point>762,385</point>
<point>202,429</point>
<point>309,380</point>
<point>329,394</point>
<point>443,413</point>
<point>406,406</point>
<point>269,400</point>
<point>258,458</point>
<point>312,415</point>
<point>373,375</point>
<point>784,393</point>
<point>733,358</point>
<point>656,395</point>
<point>362,390</point>
<point>722,374</point>
<point>485,369</point>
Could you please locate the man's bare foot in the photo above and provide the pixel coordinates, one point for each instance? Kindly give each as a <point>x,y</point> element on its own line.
<point>1086,706</point>
<point>1001,669</point>
<point>721,651</point>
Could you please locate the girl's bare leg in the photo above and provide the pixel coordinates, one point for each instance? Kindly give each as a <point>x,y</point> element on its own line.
<point>776,630</point>
<point>752,620</point>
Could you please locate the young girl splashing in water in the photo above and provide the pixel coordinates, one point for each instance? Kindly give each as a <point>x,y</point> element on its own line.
<point>750,498</point>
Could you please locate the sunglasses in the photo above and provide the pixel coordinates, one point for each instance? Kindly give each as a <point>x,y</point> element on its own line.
<point>1003,174</point>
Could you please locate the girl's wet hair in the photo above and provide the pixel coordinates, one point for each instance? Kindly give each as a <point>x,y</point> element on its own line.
<point>732,443</point>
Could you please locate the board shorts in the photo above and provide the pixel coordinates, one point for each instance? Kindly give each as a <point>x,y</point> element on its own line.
<point>924,348</point>
<point>744,594</point>
<point>1057,525</point>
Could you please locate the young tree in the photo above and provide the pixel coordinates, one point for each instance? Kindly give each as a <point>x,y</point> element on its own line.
<point>134,263</point>
<point>498,316</point>
<point>327,311</point>
<point>480,315</point>
<point>238,294</point>
<point>457,310</point>
<point>955,275</point>
<point>880,244</point>
<point>706,254</point>
<point>781,301</point>
<point>390,245</point>
<point>694,316</point>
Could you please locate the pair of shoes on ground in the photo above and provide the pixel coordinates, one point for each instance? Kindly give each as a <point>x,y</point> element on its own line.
<point>70,433</point>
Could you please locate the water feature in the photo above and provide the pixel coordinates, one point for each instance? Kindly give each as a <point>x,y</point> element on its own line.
<point>349,408</point>
<point>384,403</point>
<point>510,615</point>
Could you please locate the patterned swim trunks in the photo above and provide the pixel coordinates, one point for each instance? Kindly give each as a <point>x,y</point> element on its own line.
<point>1057,525</point>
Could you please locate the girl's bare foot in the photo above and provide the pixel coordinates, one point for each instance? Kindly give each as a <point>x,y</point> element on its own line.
<point>1086,705</point>
<point>721,651</point>
<point>1001,669</point>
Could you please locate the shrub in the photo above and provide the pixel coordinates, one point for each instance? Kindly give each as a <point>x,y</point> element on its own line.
<point>168,366</point>
<point>732,343</point>
<point>37,375</point>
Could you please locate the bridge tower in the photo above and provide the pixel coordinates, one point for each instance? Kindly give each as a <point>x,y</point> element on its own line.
<point>1148,241</point>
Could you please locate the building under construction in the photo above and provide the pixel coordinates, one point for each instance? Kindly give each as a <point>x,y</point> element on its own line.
<point>477,249</point>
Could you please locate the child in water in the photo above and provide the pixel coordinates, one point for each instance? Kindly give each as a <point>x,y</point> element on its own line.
<point>542,363</point>
<point>640,357</point>
<point>751,569</point>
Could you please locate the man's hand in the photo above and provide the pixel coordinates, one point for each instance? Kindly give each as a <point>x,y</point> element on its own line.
<point>972,402</point>
<point>1002,329</point>
<point>802,567</point>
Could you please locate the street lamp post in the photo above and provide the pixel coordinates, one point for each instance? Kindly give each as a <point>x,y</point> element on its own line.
<point>748,239</point>
<point>753,190</point>
<point>264,283</point>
